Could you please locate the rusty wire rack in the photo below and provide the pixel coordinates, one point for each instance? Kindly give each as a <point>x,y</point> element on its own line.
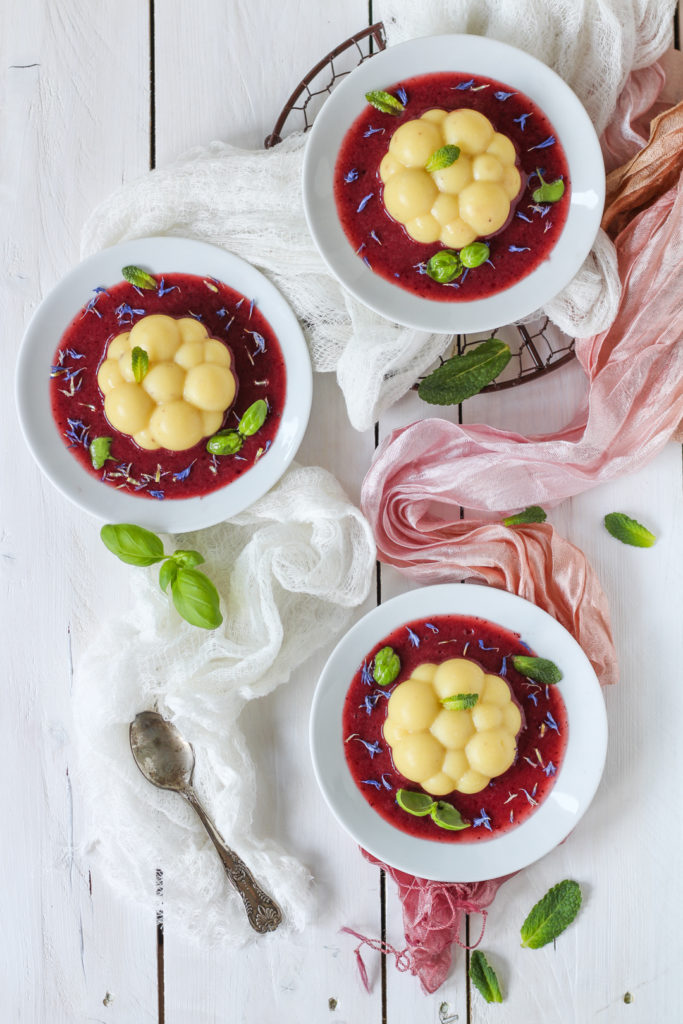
<point>537,347</point>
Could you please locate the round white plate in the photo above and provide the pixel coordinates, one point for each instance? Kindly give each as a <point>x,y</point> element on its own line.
<point>475,55</point>
<point>576,781</point>
<point>159,256</point>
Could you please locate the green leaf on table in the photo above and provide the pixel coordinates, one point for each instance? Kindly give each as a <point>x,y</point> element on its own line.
<point>196,599</point>
<point>387,666</point>
<point>418,804</point>
<point>384,102</point>
<point>100,447</point>
<point>138,278</point>
<point>551,915</point>
<point>444,266</point>
<point>447,816</point>
<point>167,573</point>
<point>541,670</point>
<point>442,158</point>
<point>254,418</point>
<point>548,191</point>
<point>474,254</point>
<point>628,531</point>
<point>225,442</point>
<point>460,701</point>
<point>465,375</point>
<point>132,544</point>
<point>532,514</point>
<point>187,559</point>
<point>140,363</point>
<point>483,976</point>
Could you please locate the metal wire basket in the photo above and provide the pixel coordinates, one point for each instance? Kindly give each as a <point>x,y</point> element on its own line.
<point>537,347</point>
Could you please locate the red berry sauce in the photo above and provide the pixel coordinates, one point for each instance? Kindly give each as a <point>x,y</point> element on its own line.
<point>533,228</point>
<point>504,802</point>
<point>78,403</point>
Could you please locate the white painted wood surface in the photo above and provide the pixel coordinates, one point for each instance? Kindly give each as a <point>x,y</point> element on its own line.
<point>76,122</point>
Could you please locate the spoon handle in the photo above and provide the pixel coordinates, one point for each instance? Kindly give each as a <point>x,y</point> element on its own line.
<point>263,913</point>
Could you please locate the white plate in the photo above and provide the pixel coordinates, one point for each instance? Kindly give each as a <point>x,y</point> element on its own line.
<point>475,55</point>
<point>159,256</point>
<point>576,781</point>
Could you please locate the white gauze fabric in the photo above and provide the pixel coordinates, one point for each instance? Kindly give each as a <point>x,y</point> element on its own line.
<point>225,195</point>
<point>289,570</point>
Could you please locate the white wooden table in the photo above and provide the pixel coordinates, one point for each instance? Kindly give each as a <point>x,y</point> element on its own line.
<point>94,94</point>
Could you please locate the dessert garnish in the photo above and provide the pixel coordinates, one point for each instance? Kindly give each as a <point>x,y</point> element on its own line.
<point>140,363</point>
<point>442,158</point>
<point>386,667</point>
<point>443,814</point>
<point>532,514</point>
<point>230,441</point>
<point>465,375</point>
<point>460,701</point>
<point>628,531</point>
<point>138,278</point>
<point>100,447</point>
<point>540,669</point>
<point>551,915</point>
<point>548,191</point>
<point>483,976</point>
<point>384,102</point>
<point>194,595</point>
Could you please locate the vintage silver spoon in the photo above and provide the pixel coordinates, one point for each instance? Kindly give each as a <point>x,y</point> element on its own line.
<point>166,759</point>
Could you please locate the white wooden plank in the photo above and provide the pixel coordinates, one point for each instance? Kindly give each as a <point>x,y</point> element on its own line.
<point>75,125</point>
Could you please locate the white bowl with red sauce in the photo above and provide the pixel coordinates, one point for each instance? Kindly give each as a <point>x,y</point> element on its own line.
<point>376,270</point>
<point>476,853</point>
<point>182,499</point>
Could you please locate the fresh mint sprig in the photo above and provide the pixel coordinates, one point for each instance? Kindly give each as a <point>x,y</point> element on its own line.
<point>384,102</point>
<point>138,278</point>
<point>465,375</point>
<point>442,158</point>
<point>194,595</point>
<point>460,701</point>
<point>541,670</point>
<point>628,531</point>
<point>483,977</point>
<point>532,514</point>
<point>551,915</point>
<point>140,363</point>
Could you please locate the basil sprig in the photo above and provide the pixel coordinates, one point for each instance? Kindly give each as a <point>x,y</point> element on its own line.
<point>465,375</point>
<point>140,363</point>
<point>100,448</point>
<point>384,102</point>
<point>548,191</point>
<point>194,595</point>
<point>138,278</point>
<point>422,804</point>
<point>230,441</point>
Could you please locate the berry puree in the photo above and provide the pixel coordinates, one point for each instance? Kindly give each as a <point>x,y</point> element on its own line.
<point>78,405</point>
<point>523,242</point>
<point>509,799</point>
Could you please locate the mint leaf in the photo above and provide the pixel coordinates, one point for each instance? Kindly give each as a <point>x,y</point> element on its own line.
<point>444,266</point>
<point>384,102</point>
<point>418,804</point>
<point>196,599</point>
<point>628,531</point>
<point>140,363</point>
<point>463,376</point>
<point>483,976</point>
<point>132,544</point>
<point>548,191</point>
<point>386,667</point>
<point>167,573</point>
<point>532,514</point>
<point>100,448</point>
<point>254,418</point>
<point>460,701</point>
<point>447,816</point>
<point>442,158</point>
<point>551,915</point>
<point>540,669</point>
<point>138,278</point>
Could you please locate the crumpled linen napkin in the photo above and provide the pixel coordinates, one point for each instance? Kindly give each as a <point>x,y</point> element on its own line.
<point>224,195</point>
<point>289,570</point>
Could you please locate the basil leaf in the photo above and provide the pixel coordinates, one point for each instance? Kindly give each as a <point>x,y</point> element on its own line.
<point>540,669</point>
<point>463,376</point>
<point>132,544</point>
<point>551,915</point>
<point>419,804</point>
<point>628,531</point>
<point>225,442</point>
<point>548,191</point>
<point>137,277</point>
<point>447,816</point>
<point>167,573</point>
<point>140,363</point>
<point>483,977</point>
<point>384,102</point>
<point>474,254</point>
<point>187,559</point>
<point>444,266</point>
<point>196,599</point>
<point>99,451</point>
<point>386,667</point>
<point>532,514</point>
<point>460,701</point>
<point>254,418</point>
<point>442,158</point>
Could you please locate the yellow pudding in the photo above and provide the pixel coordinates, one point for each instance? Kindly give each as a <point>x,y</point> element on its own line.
<point>183,393</point>
<point>445,749</point>
<point>456,204</point>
